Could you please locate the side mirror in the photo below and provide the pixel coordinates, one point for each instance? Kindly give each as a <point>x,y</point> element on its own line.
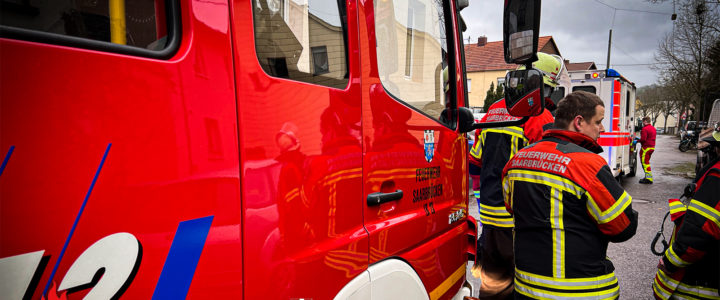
<point>524,91</point>
<point>466,120</point>
<point>521,28</point>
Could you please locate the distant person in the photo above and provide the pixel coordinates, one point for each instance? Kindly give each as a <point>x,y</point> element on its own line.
<point>492,149</point>
<point>567,206</point>
<point>647,140</point>
<point>690,267</point>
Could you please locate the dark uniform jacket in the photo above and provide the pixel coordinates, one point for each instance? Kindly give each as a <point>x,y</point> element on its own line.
<point>691,261</point>
<point>492,149</point>
<point>566,206</point>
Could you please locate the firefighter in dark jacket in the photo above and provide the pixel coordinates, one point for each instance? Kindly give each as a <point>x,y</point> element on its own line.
<point>492,149</point>
<point>567,206</point>
<point>690,267</point>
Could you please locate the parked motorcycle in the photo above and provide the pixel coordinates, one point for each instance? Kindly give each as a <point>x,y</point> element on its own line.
<point>689,141</point>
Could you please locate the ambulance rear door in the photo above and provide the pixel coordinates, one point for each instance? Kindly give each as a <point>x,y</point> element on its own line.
<point>595,82</point>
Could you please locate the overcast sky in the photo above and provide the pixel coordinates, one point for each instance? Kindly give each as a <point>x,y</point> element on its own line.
<point>581,27</point>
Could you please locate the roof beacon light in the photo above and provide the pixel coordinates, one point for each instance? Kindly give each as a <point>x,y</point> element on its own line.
<point>612,73</point>
<point>595,75</point>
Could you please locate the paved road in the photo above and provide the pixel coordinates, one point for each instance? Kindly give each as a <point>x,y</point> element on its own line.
<point>634,263</point>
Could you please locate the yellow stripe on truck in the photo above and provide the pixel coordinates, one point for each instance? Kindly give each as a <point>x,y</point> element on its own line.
<point>448,283</point>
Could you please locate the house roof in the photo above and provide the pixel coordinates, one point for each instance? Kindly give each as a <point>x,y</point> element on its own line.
<point>581,66</point>
<point>490,57</point>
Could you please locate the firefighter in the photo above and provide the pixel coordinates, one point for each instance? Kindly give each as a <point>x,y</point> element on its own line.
<point>647,140</point>
<point>690,267</point>
<point>492,149</point>
<point>567,206</point>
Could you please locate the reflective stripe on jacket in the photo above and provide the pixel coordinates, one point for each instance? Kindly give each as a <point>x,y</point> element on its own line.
<point>692,258</point>
<point>566,206</point>
<point>493,148</point>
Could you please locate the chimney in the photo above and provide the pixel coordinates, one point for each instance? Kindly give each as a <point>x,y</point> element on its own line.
<point>482,41</point>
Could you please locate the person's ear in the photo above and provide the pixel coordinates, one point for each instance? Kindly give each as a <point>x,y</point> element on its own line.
<point>576,123</point>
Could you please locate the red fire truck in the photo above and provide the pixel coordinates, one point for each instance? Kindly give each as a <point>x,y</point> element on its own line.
<point>213,149</point>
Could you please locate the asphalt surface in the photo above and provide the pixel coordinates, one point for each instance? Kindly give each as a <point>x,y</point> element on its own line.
<point>635,264</point>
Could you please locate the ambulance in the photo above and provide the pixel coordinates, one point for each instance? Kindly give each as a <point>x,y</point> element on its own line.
<point>618,95</point>
<point>216,149</point>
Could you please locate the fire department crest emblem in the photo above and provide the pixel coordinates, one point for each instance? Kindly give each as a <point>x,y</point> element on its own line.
<point>429,144</point>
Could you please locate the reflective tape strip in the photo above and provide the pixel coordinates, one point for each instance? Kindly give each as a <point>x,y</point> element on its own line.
<point>707,293</point>
<point>536,293</point>
<point>569,288</point>
<point>556,222</point>
<point>683,297</point>
<point>512,130</point>
<point>705,210</point>
<point>676,207</point>
<point>666,281</point>
<point>476,150</point>
<point>611,213</point>
<point>674,258</point>
<point>494,210</point>
<point>567,283</point>
<point>659,290</point>
<point>507,191</point>
<point>547,179</point>
<point>499,222</point>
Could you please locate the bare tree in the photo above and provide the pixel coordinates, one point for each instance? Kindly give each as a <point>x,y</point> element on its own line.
<point>682,55</point>
<point>649,98</point>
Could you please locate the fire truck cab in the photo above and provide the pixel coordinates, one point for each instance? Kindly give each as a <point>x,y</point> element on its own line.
<point>215,149</point>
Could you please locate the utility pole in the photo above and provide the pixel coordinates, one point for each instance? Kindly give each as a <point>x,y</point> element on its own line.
<point>607,65</point>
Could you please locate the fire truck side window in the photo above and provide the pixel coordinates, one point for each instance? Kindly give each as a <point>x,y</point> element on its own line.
<point>136,23</point>
<point>586,88</point>
<point>412,53</point>
<point>303,40</point>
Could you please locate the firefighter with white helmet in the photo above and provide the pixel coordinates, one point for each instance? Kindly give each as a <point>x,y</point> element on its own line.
<point>551,65</point>
<point>493,148</point>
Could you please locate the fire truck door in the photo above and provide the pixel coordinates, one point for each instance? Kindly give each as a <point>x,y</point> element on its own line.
<point>414,168</point>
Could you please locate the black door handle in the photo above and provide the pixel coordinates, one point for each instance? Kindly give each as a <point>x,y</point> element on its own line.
<point>379,198</point>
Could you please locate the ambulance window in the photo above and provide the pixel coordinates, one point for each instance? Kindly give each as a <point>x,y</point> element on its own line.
<point>627,103</point>
<point>302,40</point>
<point>587,88</point>
<point>138,27</point>
<point>558,94</point>
<point>412,53</point>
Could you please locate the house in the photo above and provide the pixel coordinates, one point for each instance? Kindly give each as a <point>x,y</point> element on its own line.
<point>485,64</point>
<point>581,66</point>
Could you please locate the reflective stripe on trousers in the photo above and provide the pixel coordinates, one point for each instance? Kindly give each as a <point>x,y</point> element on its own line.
<point>645,154</point>
<point>545,287</point>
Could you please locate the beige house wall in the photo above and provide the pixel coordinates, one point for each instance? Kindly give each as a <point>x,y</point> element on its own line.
<point>480,83</point>
<point>416,79</point>
<point>293,38</point>
<point>671,121</point>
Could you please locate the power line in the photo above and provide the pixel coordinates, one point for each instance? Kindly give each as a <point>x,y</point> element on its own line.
<point>633,10</point>
<point>627,65</point>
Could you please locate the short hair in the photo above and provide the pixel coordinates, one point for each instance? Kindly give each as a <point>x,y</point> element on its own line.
<point>646,119</point>
<point>576,103</point>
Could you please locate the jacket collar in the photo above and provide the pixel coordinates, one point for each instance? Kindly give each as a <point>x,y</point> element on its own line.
<point>575,138</point>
